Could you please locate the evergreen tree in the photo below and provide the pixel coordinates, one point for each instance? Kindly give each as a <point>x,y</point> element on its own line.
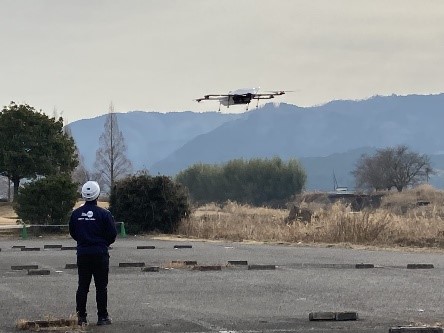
<point>32,145</point>
<point>48,200</point>
<point>156,203</point>
<point>256,181</point>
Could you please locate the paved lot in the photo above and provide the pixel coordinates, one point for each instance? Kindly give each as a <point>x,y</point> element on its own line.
<point>306,279</point>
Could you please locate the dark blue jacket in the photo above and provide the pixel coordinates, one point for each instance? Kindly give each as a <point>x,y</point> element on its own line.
<point>93,228</point>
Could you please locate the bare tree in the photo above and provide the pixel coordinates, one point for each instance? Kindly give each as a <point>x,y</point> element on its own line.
<point>111,162</point>
<point>81,174</point>
<point>392,167</point>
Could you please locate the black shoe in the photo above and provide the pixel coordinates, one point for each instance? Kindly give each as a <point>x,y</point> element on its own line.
<point>82,321</point>
<point>104,321</point>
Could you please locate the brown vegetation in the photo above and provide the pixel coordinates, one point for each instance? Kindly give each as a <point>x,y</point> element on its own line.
<point>411,218</point>
<point>9,217</point>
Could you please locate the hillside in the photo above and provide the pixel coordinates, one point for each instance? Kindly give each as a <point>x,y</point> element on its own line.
<point>149,136</point>
<point>325,138</point>
<point>337,127</point>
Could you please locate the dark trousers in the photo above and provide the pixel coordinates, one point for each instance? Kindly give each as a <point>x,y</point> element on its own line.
<point>97,266</point>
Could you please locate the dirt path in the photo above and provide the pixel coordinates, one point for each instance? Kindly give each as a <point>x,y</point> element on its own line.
<point>7,221</point>
<point>7,214</point>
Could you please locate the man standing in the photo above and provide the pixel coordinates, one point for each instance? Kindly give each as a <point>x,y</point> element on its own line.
<point>94,230</point>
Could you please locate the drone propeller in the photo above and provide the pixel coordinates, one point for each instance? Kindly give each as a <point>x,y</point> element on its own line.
<point>279,92</point>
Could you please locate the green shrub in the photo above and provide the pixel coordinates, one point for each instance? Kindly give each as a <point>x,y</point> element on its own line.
<point>149,204</point>
<point>47,200</point>
<point>257,182</point>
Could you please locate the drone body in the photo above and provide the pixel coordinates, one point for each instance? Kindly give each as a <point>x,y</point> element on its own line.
<point>240,96</point>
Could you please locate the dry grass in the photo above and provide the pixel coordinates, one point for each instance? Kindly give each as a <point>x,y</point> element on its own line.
<point>8,215</point>
<point>389,225</point>
<point>50,324</point>
<point>399,221</point>
<point>233,222</point>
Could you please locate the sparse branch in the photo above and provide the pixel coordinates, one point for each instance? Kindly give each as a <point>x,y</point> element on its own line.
<point>111,162</point>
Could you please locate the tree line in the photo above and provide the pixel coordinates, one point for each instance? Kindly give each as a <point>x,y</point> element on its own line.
<point>39,157</point>
<point>256,181</point>
<point>40,150</point>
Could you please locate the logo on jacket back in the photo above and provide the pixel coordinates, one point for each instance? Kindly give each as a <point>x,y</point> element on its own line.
<point>88,216</point>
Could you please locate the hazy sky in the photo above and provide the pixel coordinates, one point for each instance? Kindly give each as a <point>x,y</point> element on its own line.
<point>158,55</point>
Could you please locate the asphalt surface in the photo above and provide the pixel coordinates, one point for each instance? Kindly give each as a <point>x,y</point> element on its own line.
<point>234,299</point>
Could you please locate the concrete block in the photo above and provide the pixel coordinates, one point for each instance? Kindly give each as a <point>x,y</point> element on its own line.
<point>145,247</point>
<point>207,268</point>
<point>184,262</point>
<point>22,267</point>
<point>313,316</point>
<point>262,267</point>
<point>39,272</point>
<point>238,262</point>
<point>331,266</point>
<point>420,266</point>
<point>132,264</point>
<point>68,248</point>
<point>71,266</point>
<point>363,266</point>
<point>411,329</point>
<point>343,316</point>
<point>183,246</point>
<point>52,246</point>
<point>336,316</point>
<point>150,269</point>
<point>30,249</point>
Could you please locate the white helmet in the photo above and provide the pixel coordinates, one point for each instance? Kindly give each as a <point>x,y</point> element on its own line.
<point>90,190</point>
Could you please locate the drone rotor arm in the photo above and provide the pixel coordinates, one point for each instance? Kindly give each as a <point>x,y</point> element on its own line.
<point>213,97</point>
<point>263,96</point>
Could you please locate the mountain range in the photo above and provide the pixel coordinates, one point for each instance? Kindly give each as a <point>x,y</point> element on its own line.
<point>327,139</point>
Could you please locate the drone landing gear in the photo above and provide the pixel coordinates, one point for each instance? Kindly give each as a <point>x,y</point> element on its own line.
<point>228,104</point>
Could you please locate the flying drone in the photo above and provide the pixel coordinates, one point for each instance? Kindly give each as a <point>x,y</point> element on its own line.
<point>241,96</point>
